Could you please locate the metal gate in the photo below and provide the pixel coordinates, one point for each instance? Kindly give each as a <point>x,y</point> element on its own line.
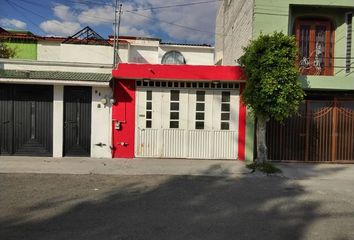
<point>26,120</point>
<point>323,131</point>
<point>77,121</point>
<point>187,123</point>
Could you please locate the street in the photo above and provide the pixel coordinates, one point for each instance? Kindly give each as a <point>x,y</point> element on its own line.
<point>53,206</point>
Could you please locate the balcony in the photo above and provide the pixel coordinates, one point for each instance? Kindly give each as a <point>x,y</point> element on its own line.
<point>315,40</point>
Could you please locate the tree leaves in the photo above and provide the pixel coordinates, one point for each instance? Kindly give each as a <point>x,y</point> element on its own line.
<point>5,51</point>
<point>272,88</point>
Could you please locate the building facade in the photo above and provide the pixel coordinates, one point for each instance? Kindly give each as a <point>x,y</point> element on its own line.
<point>58,99</point>
<point>178,111</point>
<point>323,29</point>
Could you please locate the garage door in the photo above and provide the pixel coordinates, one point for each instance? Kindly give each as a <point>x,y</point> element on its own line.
<point>187,120</point>
<point>323,131</point>
<point>26,120</point>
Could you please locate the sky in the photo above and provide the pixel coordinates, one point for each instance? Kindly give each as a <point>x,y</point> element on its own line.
<point>177,21</point>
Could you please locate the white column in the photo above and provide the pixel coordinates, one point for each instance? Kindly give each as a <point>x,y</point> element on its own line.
<point>101,122</point>
<point>58,115</point>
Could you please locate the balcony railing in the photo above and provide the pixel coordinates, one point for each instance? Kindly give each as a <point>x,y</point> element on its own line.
<point>315,65</point>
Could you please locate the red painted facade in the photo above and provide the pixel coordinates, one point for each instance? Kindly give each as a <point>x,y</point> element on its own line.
<point>123,112</point>
<point>177,72</point>
<point>242,127</point>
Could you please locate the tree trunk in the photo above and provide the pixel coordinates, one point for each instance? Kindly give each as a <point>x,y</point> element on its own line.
<point>262,151</point>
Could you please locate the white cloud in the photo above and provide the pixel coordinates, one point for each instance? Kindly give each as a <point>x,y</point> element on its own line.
<point>57,28</point>
<point>132,31</point>
<point>150,22</point>
<point>201,18</point>
<point>97,16</point>
<point>64,12</point>
<point>13,23</point>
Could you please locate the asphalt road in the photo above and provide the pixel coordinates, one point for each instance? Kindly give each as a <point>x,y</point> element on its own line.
<point>49,206</point>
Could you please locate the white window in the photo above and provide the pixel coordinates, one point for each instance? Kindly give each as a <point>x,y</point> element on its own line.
<point>173,57</point>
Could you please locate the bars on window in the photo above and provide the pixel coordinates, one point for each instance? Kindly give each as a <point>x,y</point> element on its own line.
<point>205,85</point>
<point>148,109</point>
<point>225,111</point>
<point>174,109</point>
<point>200,110</point>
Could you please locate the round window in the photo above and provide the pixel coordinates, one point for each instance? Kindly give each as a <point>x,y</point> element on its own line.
<point>173,57</point>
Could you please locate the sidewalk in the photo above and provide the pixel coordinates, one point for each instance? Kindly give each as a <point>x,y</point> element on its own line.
<point>146,166</point>
<point>151,166</point>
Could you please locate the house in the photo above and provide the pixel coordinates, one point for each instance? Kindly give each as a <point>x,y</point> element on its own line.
<point>323,130</point>
<point>56,94</point>
<point>178,111</point>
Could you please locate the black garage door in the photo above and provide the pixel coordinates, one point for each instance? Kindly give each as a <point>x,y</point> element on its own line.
<point>26,120</point>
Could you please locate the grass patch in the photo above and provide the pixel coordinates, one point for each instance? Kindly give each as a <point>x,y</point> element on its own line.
<point>266,167</point>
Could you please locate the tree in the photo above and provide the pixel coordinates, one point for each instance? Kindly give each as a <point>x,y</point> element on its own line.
<point>273,88</point>
<point>5,51</point>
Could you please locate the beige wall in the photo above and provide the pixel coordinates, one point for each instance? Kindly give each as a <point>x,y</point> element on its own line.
<point>234,30</point>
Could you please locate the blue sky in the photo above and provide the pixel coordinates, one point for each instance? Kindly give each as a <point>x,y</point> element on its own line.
<point>191,23</point>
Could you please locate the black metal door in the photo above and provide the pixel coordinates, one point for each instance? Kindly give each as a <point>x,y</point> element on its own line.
<point>26,116</point>
<point>77,121</point>
<point>6,122</point>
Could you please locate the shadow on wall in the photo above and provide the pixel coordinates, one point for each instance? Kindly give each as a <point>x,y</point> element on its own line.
<point>305,83</point>
<point>185,207</point>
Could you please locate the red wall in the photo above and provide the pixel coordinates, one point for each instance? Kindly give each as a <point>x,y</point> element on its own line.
<point>178,72</point>
<point>124,112</point>
<point>242,127</point>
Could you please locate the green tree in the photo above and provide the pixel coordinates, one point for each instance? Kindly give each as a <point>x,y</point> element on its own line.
<point>5,51</point>
<point>273,89</point>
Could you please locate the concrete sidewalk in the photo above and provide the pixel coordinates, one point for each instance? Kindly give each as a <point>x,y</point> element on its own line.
<point>146,166</point>
<point>149,166</point>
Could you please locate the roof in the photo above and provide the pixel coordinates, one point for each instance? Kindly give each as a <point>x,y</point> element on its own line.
<point>186,44</point>
<point>51,75</point>
<point>135,38</point>
<point>178,72</point>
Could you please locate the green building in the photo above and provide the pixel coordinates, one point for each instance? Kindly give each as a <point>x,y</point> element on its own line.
<point>324,129</point>
<point>24,43</point>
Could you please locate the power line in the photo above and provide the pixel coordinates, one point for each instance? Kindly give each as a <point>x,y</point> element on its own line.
<point>15,7</point>
<point>132,12</point>
<point>170,23</point>
<point>176,5</point>
<point>27,10</point>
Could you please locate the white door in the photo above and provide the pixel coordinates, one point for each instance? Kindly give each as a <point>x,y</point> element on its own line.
<point>186,123</point>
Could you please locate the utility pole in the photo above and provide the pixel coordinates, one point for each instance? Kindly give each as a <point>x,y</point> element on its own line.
<point>116,33</point>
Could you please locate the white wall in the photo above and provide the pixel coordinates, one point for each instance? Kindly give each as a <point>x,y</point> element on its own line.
<point>101,122</point>
<point>81,53</point>
<point>143,54</point>
<point>48,51</point>
<point>194,55</point>
<point>137,51</point>
<point>31,65</point>
<point>58,120</point>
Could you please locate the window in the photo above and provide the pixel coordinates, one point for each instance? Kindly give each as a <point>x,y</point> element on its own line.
<point>174,109</point>
<point>315,40</point>
<point>225,111</point>
<point>173,57</point>
<point>200,110</point>
<point>148,109</point>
